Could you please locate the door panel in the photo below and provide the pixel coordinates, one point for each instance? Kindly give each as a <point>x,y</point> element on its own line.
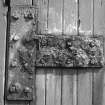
<point>53,51</point>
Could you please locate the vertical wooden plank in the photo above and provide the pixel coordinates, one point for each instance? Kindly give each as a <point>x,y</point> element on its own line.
<point>69,76</point>
<point>103,96</point>
<point>42,6</point>
<point>69,87</point>
<point>86,17</point>
<point>40,87</point>
<point>98,87</point>
<point>84,87</point>
<point>69,79</point>
<point>75,89</point>
<point>3,26</point>
<point>53,87</point>
<point>70,17</point>
<point>85,25</point>
<point>99,29</point>
<point>99,17</point>
<point>98,83</point>
<point>55,16</point>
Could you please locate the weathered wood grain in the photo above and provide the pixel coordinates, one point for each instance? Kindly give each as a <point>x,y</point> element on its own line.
<point>85,87</point>
<point>53,87</point>
<point>99,17</point>
<point>99,29</point>
<point>20,2</point>
<point>103,96</point>
<point>70,17</point>
<point>69,87</point>
<point>55,16</point>
<point>98,87</point>
<point>40,87</point>
<point>42,6</point>
<point>3,26</point>
<point>75,88</point>
<point>85,25</point>
<point>98,84</point>
<point>85,17</point>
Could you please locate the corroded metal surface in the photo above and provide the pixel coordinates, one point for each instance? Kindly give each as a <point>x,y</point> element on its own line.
<point>21,52</point>
<point>22,20</point>
<point>20,73</point>
<point>74,51</point>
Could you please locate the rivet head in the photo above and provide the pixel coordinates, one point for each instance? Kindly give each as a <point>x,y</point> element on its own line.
<point>18,87</point>
<point>13,63</point>
<point>14,37</point>
<point>28,15</point>
<point>27,90</point>
<point>12,89</point>
<point>91,44</point>
<point>30,77</point>
<point>16,15</point>
<point>26,64</point>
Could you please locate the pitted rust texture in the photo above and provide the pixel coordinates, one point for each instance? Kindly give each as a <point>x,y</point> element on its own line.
<point>74,51</point>
<point>21,53</point>
<point>21,70</point>
<point>22,20</point>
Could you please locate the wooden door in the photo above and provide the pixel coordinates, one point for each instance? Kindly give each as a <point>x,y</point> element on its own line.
<point>44,40</point>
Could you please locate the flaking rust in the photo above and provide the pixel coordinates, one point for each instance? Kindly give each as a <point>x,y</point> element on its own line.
<point>21,49</point>
<point>74,51</point>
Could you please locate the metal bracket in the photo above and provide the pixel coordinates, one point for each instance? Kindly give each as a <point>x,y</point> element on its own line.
<point>70,51</point>
<point>21,53</point>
